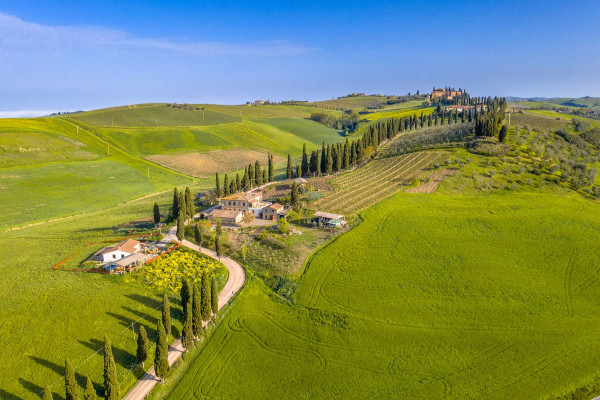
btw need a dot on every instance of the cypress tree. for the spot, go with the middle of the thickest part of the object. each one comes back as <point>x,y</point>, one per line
<point>198,236</point>
<point>218,247</point>
<point>156,213</point>
<point>175,208</point>
<point>264,177</point>
<point>187,334</point>
<point>237,182</point>
<point>304,161</point>
<point>503,133</point>
<point>233,187</point>
<point>161,362</point>
<point>111,381</point>
<point>246,182</point>
<point>185,293</point>
<point>338,158</point>
<point>329,167</point>
<point>181,204</point>
<point>288,174</point>
<point>323,158</point>
<point>297,171</point>
<point>226,185</point>
<point>218,185</point>
<point>251,176</point>
<point>166,314</point>
<point>257,173</point>
<point>180,227</point>
<point>90,392</point>
<point>294,196</point>
<point>70,382</point>
<point>189,202</point>
<point>214,296</point>
<point>142,345</point>
<point>271,169</point>
<point>47,393</point>
<point>196,311</point>
<point>218,227</point>
<point>205,298</point>
<point>346,156</point>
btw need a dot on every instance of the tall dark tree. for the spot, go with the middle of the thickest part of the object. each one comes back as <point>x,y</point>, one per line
<point>185,293</point>
<point>175,208</point>
<point>264,176</point>
<point>156,213</point>
<point>271,168</point>
<point>257,173</point>
<point>346,156</point>
<point>289,168</point>
<point>198,236</point>
<point>246,181</point>
<point>323,160</point>
<point>182,206</point>
<point>218,227</point>
<point>111,381</point>
<point>89,392</point>
<point>304,165</point>
<point>180,227</point>
<point>196,311</point>
<point>71,387</point>
<point>47,393</point>
<point>294,197</point>
<point>251,177</point>
<point>189,203</point>
<point>166,314</point>
<point>503,133</point>
<point>226,185</point>
<point>142,345</point>
<point>218,247</point>
<point>217,185</point>
<point>238,184</point>
<point>297,170</point>
<point>187,333</point>
<point>205,296</point>
<point>161,361</point>
<point>329,166</point>
<point>214,296</point>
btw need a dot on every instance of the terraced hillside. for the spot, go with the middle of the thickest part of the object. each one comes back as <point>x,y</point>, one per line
<point>358,189</point>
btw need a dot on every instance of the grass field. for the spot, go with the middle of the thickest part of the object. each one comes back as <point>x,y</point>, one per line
<point>564,117</point>
<point>153,115</point>
<point>358,189</point>
<point>355,103</point>
<point>265,111</point>
<point>308,130</point>
<point>52,315</point>
<point>430,296</point>
<point>398,113</point>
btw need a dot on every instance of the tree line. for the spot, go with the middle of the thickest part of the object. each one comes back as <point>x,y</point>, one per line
<point>198,305</point>
<point>254,176</point>
<point>348,121</point>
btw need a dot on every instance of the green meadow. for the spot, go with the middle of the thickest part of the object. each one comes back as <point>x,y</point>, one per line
<point>429,296</point>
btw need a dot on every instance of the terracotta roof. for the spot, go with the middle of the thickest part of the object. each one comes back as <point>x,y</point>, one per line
<point>242,196</point>
<point>218,213</point>
<point>275,206</point>
<point>126,246</point>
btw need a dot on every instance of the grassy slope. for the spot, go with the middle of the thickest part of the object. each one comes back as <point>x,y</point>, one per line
<point>49,315</point>
<point>564,117</point>
<point>398,113</point>
<point>269,111</point>
<point>351,102</point>
<point>308,130</point>
<point>431,296</point>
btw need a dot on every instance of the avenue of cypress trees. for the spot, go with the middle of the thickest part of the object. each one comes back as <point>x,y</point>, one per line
<point>111,381</point>
<point>196,311</point>
<point>185,294</point>
<point>142,345</point>
<point>70,382</point>
<point>214,296</point>
<point>205,298</point>
<point>161,361</point>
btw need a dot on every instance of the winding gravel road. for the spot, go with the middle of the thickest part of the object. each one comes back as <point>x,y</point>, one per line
<point>234,284</point>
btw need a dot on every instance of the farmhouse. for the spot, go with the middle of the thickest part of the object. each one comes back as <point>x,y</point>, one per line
<point>449,94</point>
<point>227,217</point>
<point>120,250</point>
<point>127,263</point>
<point>329,219</point>
<point>241,201</point>
<point>459,108</point>
<point>273,211</point>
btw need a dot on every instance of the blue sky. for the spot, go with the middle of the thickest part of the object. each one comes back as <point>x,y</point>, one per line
<point>67,55</point>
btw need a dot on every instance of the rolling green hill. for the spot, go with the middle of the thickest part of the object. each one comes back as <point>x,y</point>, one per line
<point>306,129</point>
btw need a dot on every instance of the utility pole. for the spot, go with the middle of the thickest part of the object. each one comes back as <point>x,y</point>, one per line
<point>148,173</point>
<point>108,149</point>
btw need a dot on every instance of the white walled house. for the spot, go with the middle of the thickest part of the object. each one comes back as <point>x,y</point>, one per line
<point>120,250</point>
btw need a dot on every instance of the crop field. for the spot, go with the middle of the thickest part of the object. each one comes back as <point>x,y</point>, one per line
<point>48,315</point>
<point>153,115</point>
<point>356,103</point>
<point>265,111</point>
<point>430,296</point>
<point>306,129</point>
<point>403,106</point>
<point>398,113</point>
<point>363,187</point>
<point>565,117</point>
<point>206,164</point>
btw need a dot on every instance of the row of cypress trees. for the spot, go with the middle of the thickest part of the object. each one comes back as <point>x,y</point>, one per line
<point>254,175</point>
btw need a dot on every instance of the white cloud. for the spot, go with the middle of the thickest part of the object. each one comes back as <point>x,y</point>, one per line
<point>19,35</point>
<point>24,113</point>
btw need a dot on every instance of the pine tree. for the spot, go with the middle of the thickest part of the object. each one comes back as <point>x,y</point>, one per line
<point>185,293</point>
<point>175,209</point>
<point>180,227</point>
<point>111,381</point>
<point>156,213</point>
<point>196,311</point>
<point>218,185</point>
<point>304,161</point>
<point>289,168</point>
<point>142,345</point>
<point>161,363</point>
<point>214,296</point>
<point>187,334</point>
<point>205,298</point>
<point>218,247</point>
<point>198,236</point>
<point>294,197</point>
<point>226,185</point>
<point>166,314</point>
<point>189,202</point>
<point>47,393</point>
<point>90,392</point>
<point>271,169</point>
<point>70,382</point>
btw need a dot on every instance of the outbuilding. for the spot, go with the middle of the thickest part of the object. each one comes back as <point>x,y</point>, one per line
<point>329,219</point>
